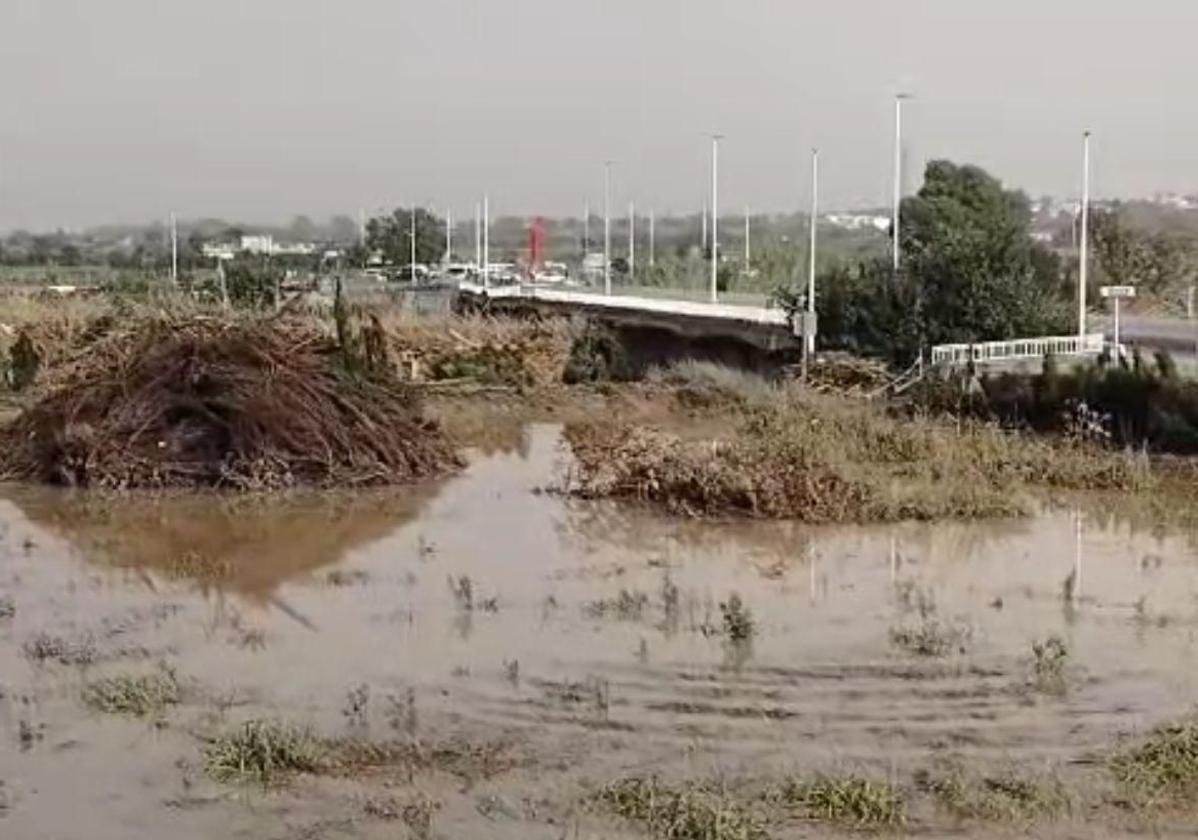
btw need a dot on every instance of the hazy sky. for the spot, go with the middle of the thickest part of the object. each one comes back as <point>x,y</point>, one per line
<point>259,109</point>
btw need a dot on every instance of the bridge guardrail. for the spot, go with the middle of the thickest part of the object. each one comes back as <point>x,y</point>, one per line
<point>1021,348</point>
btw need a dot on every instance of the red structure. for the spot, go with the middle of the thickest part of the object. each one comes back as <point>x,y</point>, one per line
<point>536,245</point>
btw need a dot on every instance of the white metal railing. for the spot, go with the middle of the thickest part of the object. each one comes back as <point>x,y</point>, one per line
<point>1021,348</point>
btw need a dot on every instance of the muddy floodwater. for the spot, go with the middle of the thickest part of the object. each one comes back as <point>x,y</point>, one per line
<point>577,643</point>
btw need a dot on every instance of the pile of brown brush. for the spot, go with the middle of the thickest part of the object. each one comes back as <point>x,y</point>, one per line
<point>202,402</point>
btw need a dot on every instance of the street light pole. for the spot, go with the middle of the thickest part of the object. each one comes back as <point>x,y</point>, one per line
<point>174,251</point>
<point>478,236</point>
<point>715,215</point>
<point>1085,238</point>
<point>412,253</point>
<point>748,236</point>
<point>486,242</point>
<point>652,242</point>
<point>607,164</point>
<point>898,175</point>
<point>810,339</point>
<point>631,242</point>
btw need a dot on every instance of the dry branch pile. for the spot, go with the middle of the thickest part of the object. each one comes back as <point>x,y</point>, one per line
<point>246,404</point>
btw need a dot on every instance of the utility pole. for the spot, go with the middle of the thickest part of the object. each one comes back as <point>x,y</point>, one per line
<point>586,228</point>
<point>1084,256</point>
<point>478,236</point>
<point>631,242</point>
<point>174,251</point>
<point>486,242</point>
<point>607,165</point>
<point>652,243</point>
<point>703,236</point>
<point>898,174</point>
<point>809,340</point>
<point>748,237</point>
<point>412,252</point>
<point>448,236</point>
<point>715,216</point>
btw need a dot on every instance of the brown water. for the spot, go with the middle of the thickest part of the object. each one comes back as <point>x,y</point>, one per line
<point>280,609</point>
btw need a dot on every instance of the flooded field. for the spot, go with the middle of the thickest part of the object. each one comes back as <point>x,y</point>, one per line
<point>509,652</point>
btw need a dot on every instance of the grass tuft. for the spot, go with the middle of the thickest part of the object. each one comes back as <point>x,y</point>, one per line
<point>1050,658</point>
<point>129,694</point>
<point>263,751</point>
<point>1007,797</point>
<point>931,638</point>
<point>1162,769</point>
<point>686,812</point>
<point>848,801</point>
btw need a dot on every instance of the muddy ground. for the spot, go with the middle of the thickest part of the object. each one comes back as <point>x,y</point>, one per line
<point>499,653</point>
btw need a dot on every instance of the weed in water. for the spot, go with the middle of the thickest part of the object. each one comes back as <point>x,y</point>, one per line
<point>669,602</point>
<point>43,647</point>
<point>263,751</point>
<point>401,712</point>
<point>511,669</point>
<point>685,812</point>
<point>1049,661</point>
<point>463,592</point>
<point>137,695</point>
<point>1007,797</point>
<point>738,620</point>
<point>931,637</point>
<point>849,801</point>
<point>357,704</point>
<point>416,812</point>
<point>1161,771</point>
<point>346,577</point>
<point>627,606</point>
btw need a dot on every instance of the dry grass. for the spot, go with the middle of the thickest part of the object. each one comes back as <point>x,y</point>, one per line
<point>130,694</point>
<point>1004,797</point>
<point>1161,770</point>
<point>492,351</point>
<point>264,751</point>
<point>853,802</point>
<point>833,460</point>
<point>683,812</point>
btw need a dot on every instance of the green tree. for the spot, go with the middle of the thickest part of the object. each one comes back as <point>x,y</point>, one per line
<point>1126,255</point>
<point>976,272</point>
<point>392,236</point>
<point>970,272</point>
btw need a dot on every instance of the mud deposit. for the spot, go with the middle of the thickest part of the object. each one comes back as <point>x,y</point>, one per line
<point>482,657</point>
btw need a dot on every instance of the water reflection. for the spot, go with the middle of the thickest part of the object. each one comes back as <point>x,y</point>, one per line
<point>249,546</point>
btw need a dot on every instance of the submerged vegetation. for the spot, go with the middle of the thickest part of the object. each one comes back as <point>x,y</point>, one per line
<point>1161,770</point>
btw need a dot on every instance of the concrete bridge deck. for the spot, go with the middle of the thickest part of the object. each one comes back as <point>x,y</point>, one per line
<point>764,327</point>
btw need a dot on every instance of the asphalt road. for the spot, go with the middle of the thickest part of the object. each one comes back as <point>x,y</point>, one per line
<point>1176,335</point>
